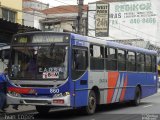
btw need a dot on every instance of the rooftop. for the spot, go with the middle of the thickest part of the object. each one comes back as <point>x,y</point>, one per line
<point>31,9</point>
<point>64,9</point>
<point>34,1</point>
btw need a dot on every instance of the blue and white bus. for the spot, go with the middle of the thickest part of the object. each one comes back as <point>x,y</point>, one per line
<point>70,71</point>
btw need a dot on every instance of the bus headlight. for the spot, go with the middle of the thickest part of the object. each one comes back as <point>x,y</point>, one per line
<point>62,94</point>
<point>14,94</point>
<point>66,93</point>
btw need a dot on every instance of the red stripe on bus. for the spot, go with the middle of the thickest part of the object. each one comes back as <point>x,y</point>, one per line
<point>112,81</point>
<point>19,90</point>
<point>124,89</point>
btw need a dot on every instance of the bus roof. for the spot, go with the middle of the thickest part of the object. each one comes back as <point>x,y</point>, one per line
<point>95,40</point>
<point>41,32</point>
<point>130,48</point>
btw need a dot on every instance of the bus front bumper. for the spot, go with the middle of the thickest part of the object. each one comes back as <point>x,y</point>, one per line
<point>57,101</point>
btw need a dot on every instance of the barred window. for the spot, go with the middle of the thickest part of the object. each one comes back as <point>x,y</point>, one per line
<point>96,57</point>
<point>154,64</point>
<point>140,62</point>
<point>8,15</point>
<point>148,63</point>
<point>131,61</point>
<point>121,60</point>
<point>111,58</point>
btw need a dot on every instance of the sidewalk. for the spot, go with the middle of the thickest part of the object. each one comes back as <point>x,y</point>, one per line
<point>21,109</point>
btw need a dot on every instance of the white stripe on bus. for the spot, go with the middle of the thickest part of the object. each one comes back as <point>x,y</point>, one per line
<point>120,89</point>
<point>116,89</point>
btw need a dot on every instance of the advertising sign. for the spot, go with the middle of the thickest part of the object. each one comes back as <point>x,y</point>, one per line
<point>133,20</point>
<point>102,20</point>
<point>127,20</point>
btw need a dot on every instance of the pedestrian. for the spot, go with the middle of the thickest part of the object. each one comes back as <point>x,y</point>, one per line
<point>3,90</point>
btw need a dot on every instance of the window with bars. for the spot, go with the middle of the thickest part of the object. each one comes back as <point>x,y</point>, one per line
<point>131,61</point>
<point>121,60</point>
<point>140,62</point>
<point>9,15</point>
<point>111,58</point>
<point>96,57</point>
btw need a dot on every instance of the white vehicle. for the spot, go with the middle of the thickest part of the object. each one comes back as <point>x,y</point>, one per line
<point>4,57</point>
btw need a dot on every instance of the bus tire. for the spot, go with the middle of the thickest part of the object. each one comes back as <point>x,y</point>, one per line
<point>42,109</point>
<point>92,103</point>
<point>137,97</point>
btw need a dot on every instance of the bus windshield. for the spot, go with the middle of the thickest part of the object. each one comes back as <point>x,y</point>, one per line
<point>39,62</point>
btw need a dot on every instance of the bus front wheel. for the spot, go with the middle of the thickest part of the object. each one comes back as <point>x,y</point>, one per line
<point>91,107</point>
<point>42,109</point>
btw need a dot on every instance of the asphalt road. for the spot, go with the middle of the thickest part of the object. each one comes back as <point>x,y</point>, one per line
<point>149,109</point>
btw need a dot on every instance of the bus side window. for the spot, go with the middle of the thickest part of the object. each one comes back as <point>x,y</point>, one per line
<point>154,64</point>
<point>97,57</point>
<point>79,62</point>
<point>131,61</point>
<point>148,63</point>
<point>121,60</point>
<point>111,61</point>
<point>140,62</point>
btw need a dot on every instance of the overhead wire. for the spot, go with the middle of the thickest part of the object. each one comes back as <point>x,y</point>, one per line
<point>38,15</point>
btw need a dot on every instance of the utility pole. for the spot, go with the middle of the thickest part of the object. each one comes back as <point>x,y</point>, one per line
<point>79,18</point>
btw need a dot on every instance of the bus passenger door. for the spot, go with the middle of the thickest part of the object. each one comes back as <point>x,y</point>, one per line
<point>80,75</point>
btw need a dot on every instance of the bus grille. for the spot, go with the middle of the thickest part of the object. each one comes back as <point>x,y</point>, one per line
<point>42,86</point>
<point>37,101</point>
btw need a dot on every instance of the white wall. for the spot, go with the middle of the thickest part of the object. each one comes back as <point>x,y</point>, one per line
<point>35,5</point>
<point>28,19</point>
<point>32,19</point>
<point>37,19</point>
<point>156,9</point>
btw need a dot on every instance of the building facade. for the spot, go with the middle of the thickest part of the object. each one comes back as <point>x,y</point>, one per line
<point>11,21</point>
<point>35,4</point>
<point>32,17</point>
<point>64,19</point>
<point>32,13</point>
<point>11,10</point>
